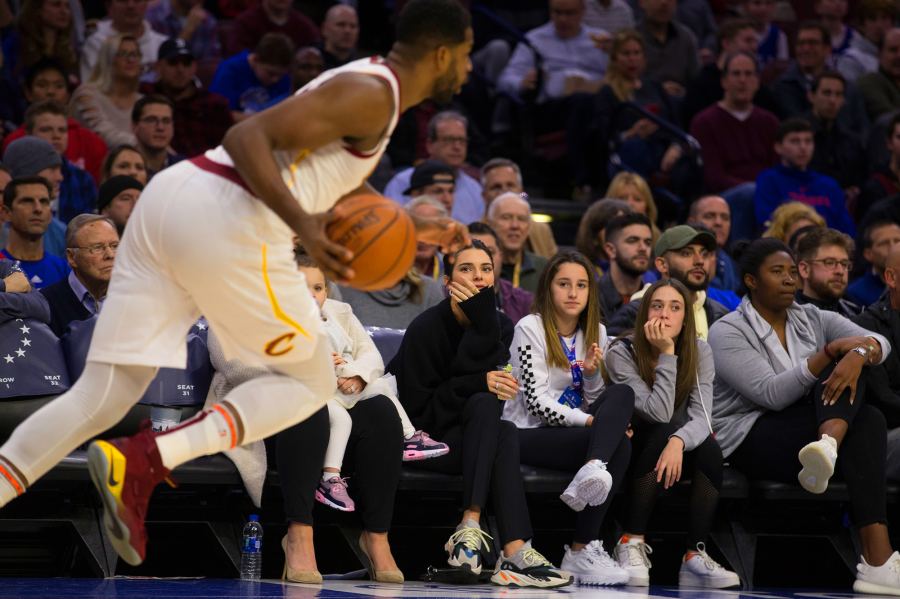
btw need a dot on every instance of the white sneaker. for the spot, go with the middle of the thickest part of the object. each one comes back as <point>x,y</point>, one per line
<point>705,572</point>
<point>633,558</point>
<point>590,486</point>
<point>593,566</point>
<point>878,580</point>
<point>464,547</point>
<point>818,460</point>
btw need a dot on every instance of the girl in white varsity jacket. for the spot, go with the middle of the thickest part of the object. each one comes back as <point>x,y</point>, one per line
<point>671,372</point>
<point>567,418</point>
<point>360,375</point>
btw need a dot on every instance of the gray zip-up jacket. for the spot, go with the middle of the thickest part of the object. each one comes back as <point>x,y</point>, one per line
<point>657,404</point>
<point>749,382</point>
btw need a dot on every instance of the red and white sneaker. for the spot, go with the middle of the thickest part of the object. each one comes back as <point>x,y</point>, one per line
<point>125,472</point>
<point>422,447</point>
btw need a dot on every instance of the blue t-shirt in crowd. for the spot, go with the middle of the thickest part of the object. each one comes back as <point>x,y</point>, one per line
<point>781,184</point>
<point>236,81</point>
<point>866,290</point>
<point>43,272</point>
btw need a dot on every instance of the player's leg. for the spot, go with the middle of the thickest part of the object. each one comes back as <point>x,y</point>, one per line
<point>97,401</point>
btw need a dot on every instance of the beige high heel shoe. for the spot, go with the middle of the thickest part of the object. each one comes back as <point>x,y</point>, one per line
<point>387,576</point>
<point>291,575</point>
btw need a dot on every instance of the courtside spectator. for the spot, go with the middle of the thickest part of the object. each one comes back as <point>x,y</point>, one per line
<point>683,254</point>
<point>91,242</point>
<point>670,47</point>
<point>125,160</point>
<point>880,89</point>
<point>447,142</point>
<point>125,18</point>
<point>104,102</point>
<point>735,35</point>
<point>271,16</point>
<point>501,175</point>
<point>773,42</point>
<point>824,260</point>
<point>428,260</point>
<point>397,306</point>
<point>879,238</point>
<point>510,216</point>
<point>792,180</point>
<point>340,34</point>
<point>568,419</point>
<point>77,191</point>
<point>17,299</point>
<point>629,242</point>
<point>713,213</point>
<point>33,157</point>
<point>201,117</point>
<point>875,18</point>
<point>790,218</point>
<point>153,119</point>
<point>187,21</point>
<point>46,81</point>
<point>813,54</point>
<point>12,279</point>
<point>608,15</point>
<point>670,372</point>
<point>883,317</point>
<point>308,64</point>
<point>252,81</point>
<point>737,141</point>
<point>786,378</point>
<point>450,383</point>
<point>590,239</point>
<point>839,153</point>
<point>43,31</point>
<point>26,205</point>
<point>885,178</point>
<point>117,198</point>
<point>436,180</point>
<point>512,301</point>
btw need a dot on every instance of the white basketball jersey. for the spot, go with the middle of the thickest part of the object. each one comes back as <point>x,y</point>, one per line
<point>320,178</point>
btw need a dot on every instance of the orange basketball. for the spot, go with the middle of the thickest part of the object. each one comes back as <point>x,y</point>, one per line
<point>381,236</point>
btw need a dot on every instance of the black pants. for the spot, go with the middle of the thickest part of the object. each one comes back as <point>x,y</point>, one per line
<point>373,459</point>
<point>569,448</point>
<point>703,465</point>
<point>770,450</point>
<point>485,450</point>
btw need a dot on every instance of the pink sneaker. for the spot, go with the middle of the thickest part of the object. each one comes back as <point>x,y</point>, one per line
<point>334,494</point>
<point>422,447</point>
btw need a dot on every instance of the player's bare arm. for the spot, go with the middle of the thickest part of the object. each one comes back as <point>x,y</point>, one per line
<point>353,108</point>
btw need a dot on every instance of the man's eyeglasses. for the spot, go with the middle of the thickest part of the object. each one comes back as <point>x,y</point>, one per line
<point>98,248</point>
<point>156,121</point>
<point>833,263</point>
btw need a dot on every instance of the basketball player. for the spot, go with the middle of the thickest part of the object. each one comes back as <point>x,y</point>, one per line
<point>213,236</point>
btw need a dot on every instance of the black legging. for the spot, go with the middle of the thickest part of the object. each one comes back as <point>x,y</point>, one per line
<point>703,465</point>
<point>485,450</point>
<point>770,450</point>
<point>569,448</point>
<point>373,458</point>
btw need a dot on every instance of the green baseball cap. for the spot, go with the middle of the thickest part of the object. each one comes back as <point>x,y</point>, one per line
<point>679,236</point>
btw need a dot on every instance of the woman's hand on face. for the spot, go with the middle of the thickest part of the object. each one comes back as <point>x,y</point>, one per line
<point>844,376</point>
<point>351,385</point>
<point>460,292</point>
<point>502,384</point>
<point>657,337</point>
<point>592,360</point>
<point>668,466</point>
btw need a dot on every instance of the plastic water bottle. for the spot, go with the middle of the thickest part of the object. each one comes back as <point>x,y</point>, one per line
<point>251,549</point>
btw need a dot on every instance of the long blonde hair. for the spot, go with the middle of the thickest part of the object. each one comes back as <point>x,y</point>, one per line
<point>102,75</point>
<point>588,320</point>
<point>625,179</point>
<point>786,215</point>
<point>622,88</point>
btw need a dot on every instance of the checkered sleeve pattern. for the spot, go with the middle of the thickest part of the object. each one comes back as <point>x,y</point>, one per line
<point>532,402</point>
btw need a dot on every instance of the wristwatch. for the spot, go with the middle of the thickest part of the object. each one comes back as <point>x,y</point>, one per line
<point>863,351</point>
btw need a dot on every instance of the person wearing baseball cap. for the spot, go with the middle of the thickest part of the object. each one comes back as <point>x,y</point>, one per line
<point>436,179</point>
<point>117,199</point>
<point>201,117</point>
<point>685,254</point>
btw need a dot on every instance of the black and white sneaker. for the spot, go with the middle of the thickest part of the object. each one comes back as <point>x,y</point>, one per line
<point>464,547</point>
<point>528,568</point>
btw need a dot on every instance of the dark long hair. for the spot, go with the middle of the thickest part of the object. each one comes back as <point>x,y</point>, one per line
<point>31,37</point>
<point>685,343</point>
<point>588,320</point>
